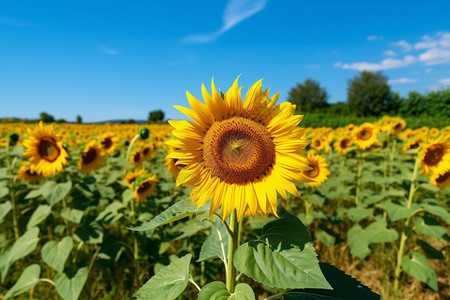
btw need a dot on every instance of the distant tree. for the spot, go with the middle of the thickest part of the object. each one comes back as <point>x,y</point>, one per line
<point>308,96</point>
<point>79,119</point>
<point>46,118</point>
<point>61,121</point>
<point>369,94</point>
<point>156,116</point>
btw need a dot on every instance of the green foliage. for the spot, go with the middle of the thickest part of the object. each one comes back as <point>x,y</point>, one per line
<point>46,118</point>
<point>79,120</point>
<point>217,290</point>
<point>308,96</point>
<point>418,267</point>
<point>69,284</point>
<point>156,116</point>
<point>283,257</point>
<point>169,282</point>
<point>28,279</point>
<point>56,253</point>
<point>369,94</point>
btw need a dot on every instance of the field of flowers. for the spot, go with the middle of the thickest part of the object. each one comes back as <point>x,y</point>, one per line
<point>199,209</point>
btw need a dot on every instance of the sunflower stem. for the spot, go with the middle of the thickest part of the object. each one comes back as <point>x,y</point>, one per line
<point>12,195</point>
<point>234,237</point>
<point>404,235</point>
<point>131,145</point>
<point>358,182</point>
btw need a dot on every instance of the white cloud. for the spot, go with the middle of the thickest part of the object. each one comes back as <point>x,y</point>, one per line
<point>374,37</point>
<point>444,81</point>
<point>435,56</point>
<point>236,11</point>
<point>426,43</point>
<point>390,53</point>
<point>403,44</point>
<point>428,70</point>
<point>312,66</point>
<point>107,50</point>
<point>403,80</point>
<point>337,64</point>
<point>385,64</point>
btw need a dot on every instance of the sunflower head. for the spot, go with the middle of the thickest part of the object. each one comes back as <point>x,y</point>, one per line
<point>26,174</point>
<point>136,158</point>
<point>319,172</point>
<point>131,176</point>
<point>442,181</point>
<point>144,186</point>
<point>434,157</point>
<point>45,150</point>
<point>342,144</point>
<point>365,136</point>
<point>92,157</point>
<point>109,142</point>
<point>239,153</point>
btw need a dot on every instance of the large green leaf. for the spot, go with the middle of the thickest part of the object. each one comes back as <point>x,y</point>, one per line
<point>4,210</point>
<point>111,214</point>
<point>217,290</point>
<point>70,283</point>
<point>89,233</point>
<point>429,250</point>
<point>283,257</point>
<point>429,226</point>
<point>359,213</point>
<point>39,215</point>
<point>52,192</point>
<point>169,282</point>
<point>344,287</point>
<point>23,246</point>
<point>216,245</point>
<point>55,253</point>
<point>179,210</point>
<point>28,279</point>
<point>435,208</point>
<point>418,267</point>
<point>188,228</point>
<point>396,210</point>
<point>358,247</point>
<point>72,214</point>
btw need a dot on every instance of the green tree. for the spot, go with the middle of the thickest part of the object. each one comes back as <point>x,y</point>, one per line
<point>46,118</point>
<point>369,94</point>
<point>308,96</point>
<point>79,119</point>
<point>156,116</point>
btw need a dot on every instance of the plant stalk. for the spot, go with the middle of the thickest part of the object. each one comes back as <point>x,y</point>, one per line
<point>404,235</point>
<point>131,145</point>
<point>358,179</point>
<point>13,196</point>
<point>234,237</point>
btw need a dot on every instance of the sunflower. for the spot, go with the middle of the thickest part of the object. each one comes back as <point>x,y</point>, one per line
<point>397,125</point>
<point>239,154</point>
<point>131,176</point>
<point>434,158</point>
<point>441,181</point>
<point>365,135</point>
<point>45,150</point>
<point>172,164</point>
<point>26,174</point>
<point>92,157</point>
<point>149,150</point>
<point>109,142</point>
<point>318,143</point>
<point>413,143</point>
<point>342,144</point>
<point>144,187</point>
<point>319,172</point>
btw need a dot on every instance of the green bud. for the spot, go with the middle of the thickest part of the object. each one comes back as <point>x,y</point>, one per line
<point>13,138</point>
<point>143,133</point>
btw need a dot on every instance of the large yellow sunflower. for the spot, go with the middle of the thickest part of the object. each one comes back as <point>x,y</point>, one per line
<point>92,157</point>
<point>45,150</point>
<point>434,158</point>
<point>109,142</point>
<point>319,172</point>
<point>342,144</point>
<point>145,187</point>
<point>365,135</point>
<point>131,176</point>
<point>239,154</point>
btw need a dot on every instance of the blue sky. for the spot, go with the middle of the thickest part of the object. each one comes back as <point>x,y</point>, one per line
<point>121,59</point>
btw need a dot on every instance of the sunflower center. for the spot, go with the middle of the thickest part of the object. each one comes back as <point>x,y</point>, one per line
<point>344,143</point>
<point>314,172</point>
<point>28,172</point>
<point>89,156</point>
<point>106,143</point>
<point>143,187</point>
<point>137,157</point>
<point>48,149</point>
<point>365,134</point>
<point>443,177</point>
<point>238,150</point>
<point>434,155</point>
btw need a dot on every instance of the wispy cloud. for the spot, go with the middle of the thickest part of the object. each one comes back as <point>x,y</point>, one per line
<point>403,80</point>
<point>236,11</point>
<point>385,64</point>
<point>14,22</point>
<point>390,53</point>
<point>444,81</point>
<point>438,49</point>
<point>404,45</point>
<point>374,37</point>
<point>107,50</point>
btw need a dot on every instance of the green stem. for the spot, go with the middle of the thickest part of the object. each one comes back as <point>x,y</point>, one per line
<point>135,242</point>
<point>13,195</point>
<point>358,179</point>
<point>231,276</point>
<point>131,145</point>
<point>404,235</point>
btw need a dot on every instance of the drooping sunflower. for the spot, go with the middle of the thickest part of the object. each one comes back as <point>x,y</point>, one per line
<point>319,172</point>
<point>144,187</point>
<point>237,154</point>
<point>131,176</point>
<point>434,157</point>
<point>441,181</point>
<point>92,157</point>
<point>365,136</point>
<point>109,142</point>
<point>26,174</point>
<point>342,144</point>
<point>45,150</point>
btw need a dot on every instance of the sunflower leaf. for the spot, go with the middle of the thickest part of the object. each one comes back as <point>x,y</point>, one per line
<point>216,245</point>
<point>4,210</point>
<point>283,257</point>
<point>56,253</point>
<point>70,283</point>
<point>217,290</point>
<point>28,279</point>
<point>179,210</point>
<point>418,267</point>
<point>39,215</point>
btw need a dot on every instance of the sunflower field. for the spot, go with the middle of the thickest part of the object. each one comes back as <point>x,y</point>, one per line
<point>240,202</point>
